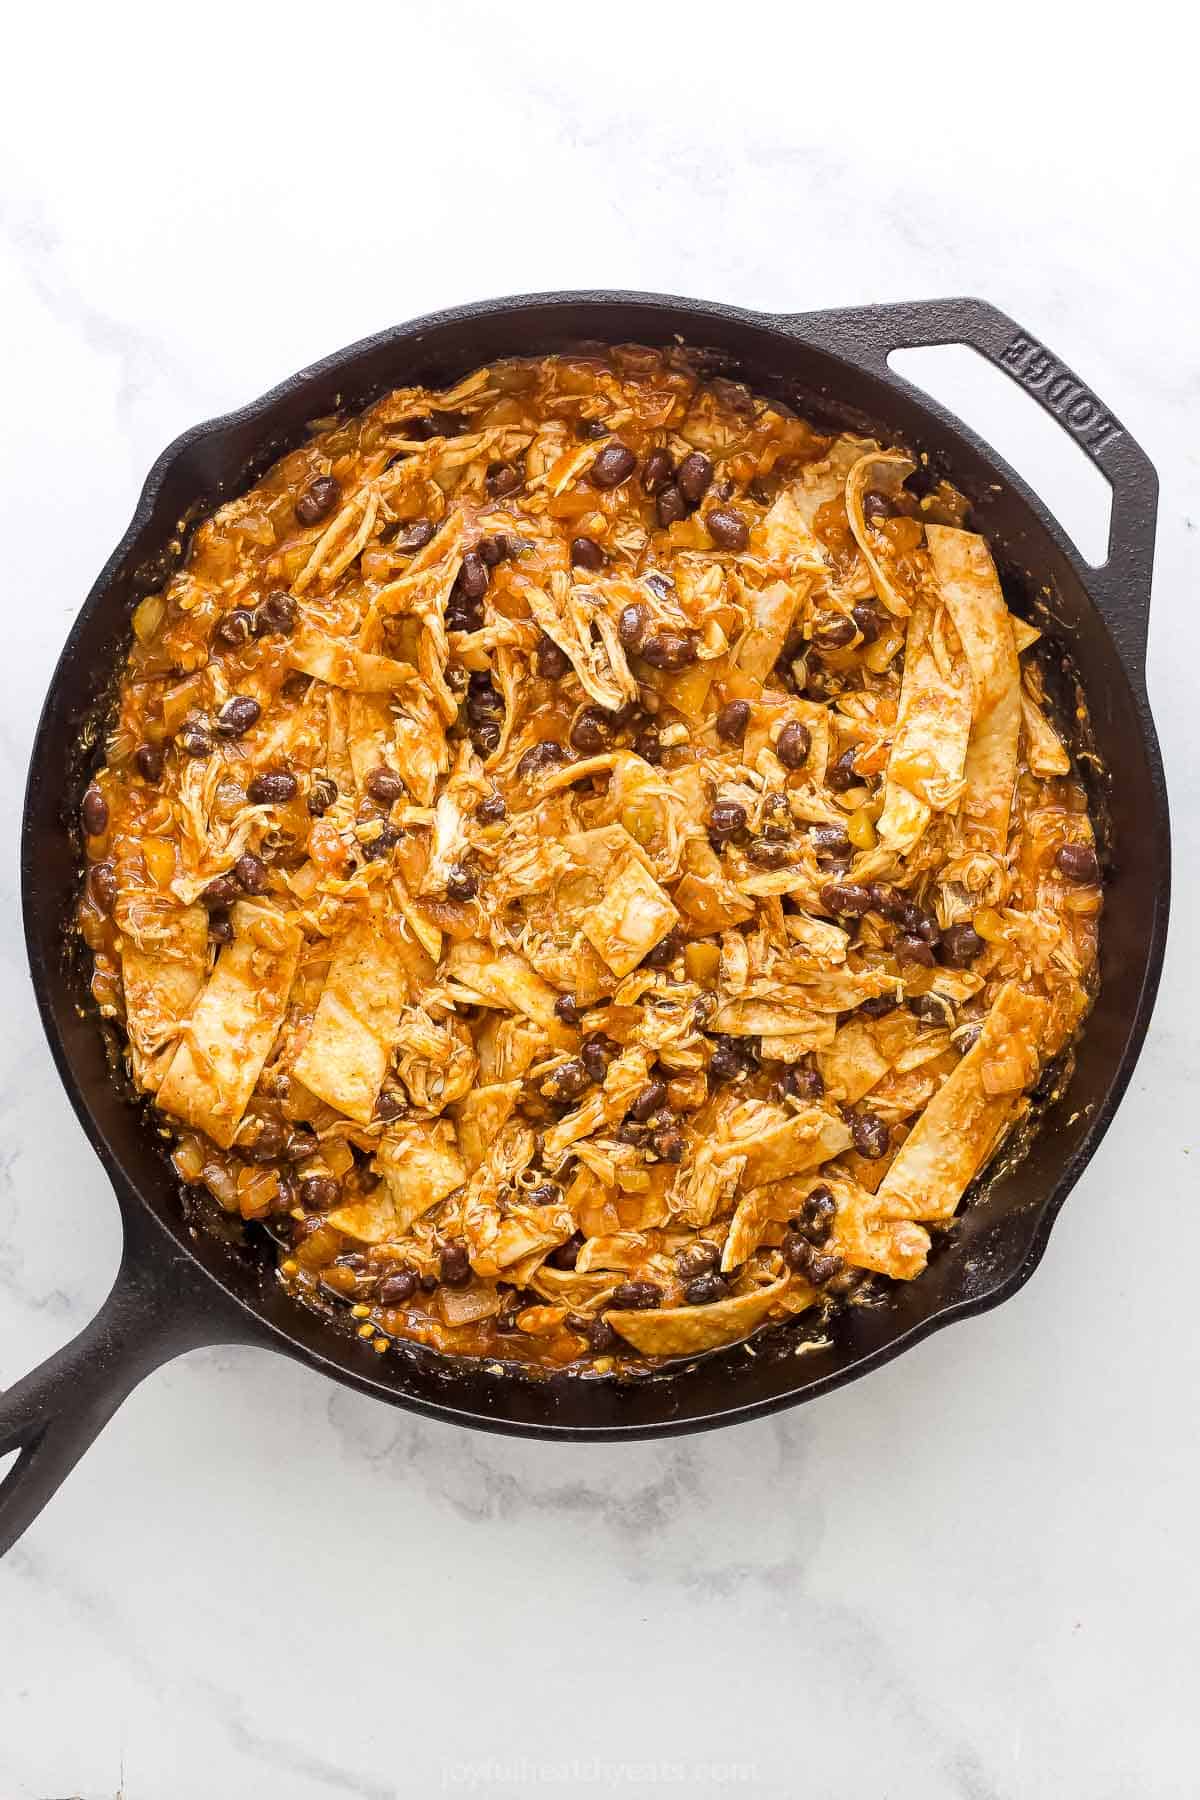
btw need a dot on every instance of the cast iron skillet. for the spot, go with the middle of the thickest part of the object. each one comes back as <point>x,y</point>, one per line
<point>178,1287</point>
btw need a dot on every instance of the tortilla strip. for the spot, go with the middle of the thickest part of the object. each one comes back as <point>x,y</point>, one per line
<point>354,1028</point>
<point>234,1023</point>
<point>959,1127</point>
<point>420,1163</point>
<point>343,665</point>
<point>933,729</point>
<point>771,611</point>
<point>685,1330</point>
<point>853,1063</point>
<point>785,1146</point>
<point>503,980</point>
<point>886,471</point>
<point>1044,751</point>
<point>160,983</point>
<point>970,588</point>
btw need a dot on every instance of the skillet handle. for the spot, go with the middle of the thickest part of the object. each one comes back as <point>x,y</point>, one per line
<point>1121,585</point>
<point>158,1307</point>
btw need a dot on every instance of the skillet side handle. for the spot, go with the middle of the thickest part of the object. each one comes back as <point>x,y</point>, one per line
<point>1122,584</point>
<point>158,1307</point>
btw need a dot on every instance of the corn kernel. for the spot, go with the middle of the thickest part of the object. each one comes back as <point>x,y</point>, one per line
<point>360,1311</point>
<point>366,1330</point>
<point>860,829</point>
<point>989,925</point>
<point>289,1267</point>
<point>702,961</point>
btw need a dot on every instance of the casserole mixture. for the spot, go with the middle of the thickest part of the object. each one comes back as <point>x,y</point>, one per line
<point>581,857</point>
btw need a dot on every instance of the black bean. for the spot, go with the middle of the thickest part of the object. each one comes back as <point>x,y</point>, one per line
<point>591,732</point>
<point>601,1337</point>
<point>842,775</point>
<point>275,787</point>
<point>586,553</point>
<point>319,1193</point>
<point>961,944</point>
<point>318,500</point>
<point>868,619</point>
<point>913,949</point>
<point>148,759</point>
<point>238,715</point>
<point>870,1134</point>
<point>95,813</point>
<point>588,429</point>
<point>551,662</point>
<point>455,1264</point>
<point>389,1105</point>
<point>639,1295</point>
<point>648,1101</point>
<point>879,1006</point>
<point>568,1081</point>
<point>726,819</point>
<point>503,478</point>
<point>566,1009</point>
<point>768,853</point>
<point>414,536</point>
<point>596,1053</point>
<point>670,650</point>
<point>822,1269</point>
<point>102,879</point>
<point>462,614</point>
<point>383,784</point>
<point>705,1290</point>
<point>322,793</point>
<point>615,464</point>
<point>663,954</point>
<point>633,625</point>
<point>849,899</point>
<point>220,928</point>
<point>733,720</point>
<point>222,892</point>
<point>804,1083</point>
<point>567,1255</point>
<point>888,900</point>
<point>235,629</point>
<point>876,505</point>
<point>251,873</point>
<point>491,809</point>
<point>395,1290</point>
<point>629,1133</point>
<point>930,1007</point>
<point>482,697</point>
<point>693,477</point>
<point>829,842</point>
<point>670,507</point>
<point>727,529</point>
<point>700,1258</point>
<point>194,740</point>
<point>669,1144</point>
<point>648,745</point>
<point>793,745</point>
<point>968,1039</point>
<point>266,1143</point>
<point>486,737</point>
<point>449,424</point>
<point>1079,863</point>
<point>726,1060</point>
<point>544,755</point>
<point>834,631</point>
<point>796,1251</point>
<point>817,1215</point>
<point>276,616</point>
<point>461,883</point>
<point>658,471</point>
<point>473,577</point>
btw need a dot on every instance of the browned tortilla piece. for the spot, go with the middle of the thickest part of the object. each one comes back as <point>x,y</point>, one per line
<point>355,1025</point>
<point>160,983</point>
<point>233,1024</point>
<point>970,588</point>
<point>801,1142</point>
<point>420,1164</point>
<point>343,665</point>
<point>685,1330</point>
<point>925,768</point>
<point>963,1121</point>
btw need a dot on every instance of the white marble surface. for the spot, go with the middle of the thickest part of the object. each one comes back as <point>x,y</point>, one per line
<point>971,1576</point>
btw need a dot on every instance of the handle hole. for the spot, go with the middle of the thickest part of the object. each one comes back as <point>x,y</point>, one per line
<point>1049,459</point>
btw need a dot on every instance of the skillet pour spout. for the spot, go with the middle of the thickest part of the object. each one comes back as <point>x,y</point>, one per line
<point>180,1286</point>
